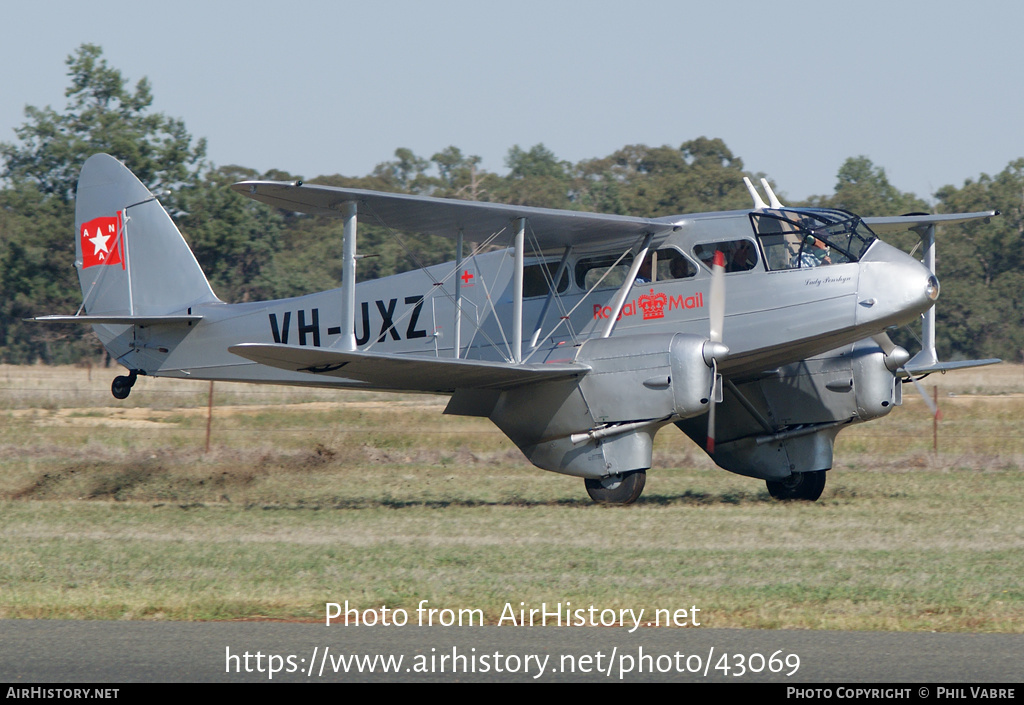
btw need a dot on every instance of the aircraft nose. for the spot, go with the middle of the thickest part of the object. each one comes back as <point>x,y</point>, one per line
<point>895,288</point>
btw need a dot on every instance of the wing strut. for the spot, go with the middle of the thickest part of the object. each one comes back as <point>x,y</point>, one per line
<point>348,277</point>
<point>517,293</point>
<point>126,262</point>
<point>457,337</point>
<point>627,285</point>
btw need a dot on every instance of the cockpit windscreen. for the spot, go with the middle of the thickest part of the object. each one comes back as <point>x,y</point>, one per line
<point>810,237</point>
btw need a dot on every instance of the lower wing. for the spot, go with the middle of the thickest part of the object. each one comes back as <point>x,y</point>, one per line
<point>406,372</point>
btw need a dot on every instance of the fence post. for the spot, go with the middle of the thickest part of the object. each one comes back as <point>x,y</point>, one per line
<point>209,416</point>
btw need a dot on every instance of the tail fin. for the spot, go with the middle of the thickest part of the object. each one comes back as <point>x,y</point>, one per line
<point>131,259</point>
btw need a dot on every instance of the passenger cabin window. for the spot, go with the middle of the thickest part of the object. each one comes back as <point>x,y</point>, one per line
<point>799,238</point>
<point>609,270</point>
<point>666,264</point>
<point>537,279</point>
<point>740,255</point>
<point>661,265</point>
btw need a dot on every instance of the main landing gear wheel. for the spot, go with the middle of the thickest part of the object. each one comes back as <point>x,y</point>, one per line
<point>617,489</point>
<point>800,485</point>
<point>122,385</point>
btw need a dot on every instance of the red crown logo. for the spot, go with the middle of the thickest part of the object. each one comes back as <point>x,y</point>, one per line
<point>653,305</point>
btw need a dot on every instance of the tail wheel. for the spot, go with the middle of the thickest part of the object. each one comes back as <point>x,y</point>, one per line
<point>806,486</point>
<point>122,385</point>
<point>617,489</point>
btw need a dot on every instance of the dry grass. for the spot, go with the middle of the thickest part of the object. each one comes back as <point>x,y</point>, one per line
<point>112,510</point>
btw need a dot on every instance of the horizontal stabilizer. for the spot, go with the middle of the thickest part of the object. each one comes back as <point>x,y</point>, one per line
<point>898,223</point>
<point>119,320</point>
<point>405,372</point>
<point>948,366</point>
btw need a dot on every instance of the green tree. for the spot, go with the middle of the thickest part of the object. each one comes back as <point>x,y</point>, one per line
<point>37,275</point>
<point>981,267</point>
<point>460,176</point>
<point>701,175</point>
<point>864,189</point>
<point>39,174</point>
<point>714,178</point>
<point>102,115</point>
<point>407,173</point>
<point>234,238</point>
<point>536,178</point>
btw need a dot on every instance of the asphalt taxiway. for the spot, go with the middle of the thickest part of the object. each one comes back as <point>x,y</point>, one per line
<point>51,651</point>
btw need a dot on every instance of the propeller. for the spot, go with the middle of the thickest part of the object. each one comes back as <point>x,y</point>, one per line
<point>715,348</point>
<point>896,359</point>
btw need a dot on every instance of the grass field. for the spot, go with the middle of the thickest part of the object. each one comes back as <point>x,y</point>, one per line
<point>113,510</point>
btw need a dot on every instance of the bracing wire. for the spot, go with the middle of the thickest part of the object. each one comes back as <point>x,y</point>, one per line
<point>439,284</point>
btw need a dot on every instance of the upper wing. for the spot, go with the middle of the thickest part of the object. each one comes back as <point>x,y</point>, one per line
<point>444,216</point>
<point>405,372</point>
<point>899,223</point>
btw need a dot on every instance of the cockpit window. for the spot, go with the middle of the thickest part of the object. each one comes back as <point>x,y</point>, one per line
<point>740,255</point>
<point>795,238</point>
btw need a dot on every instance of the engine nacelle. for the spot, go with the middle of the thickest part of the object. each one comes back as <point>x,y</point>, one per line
<point>878,389</point>
<point>645,377</point>
<point>806,404</point>
<point>850,384</point>
<point>604,423</point>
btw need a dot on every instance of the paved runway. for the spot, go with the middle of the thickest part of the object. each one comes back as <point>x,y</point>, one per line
<point>41,651</point>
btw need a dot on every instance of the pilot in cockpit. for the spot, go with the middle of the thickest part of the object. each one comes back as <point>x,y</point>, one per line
<point>813,253</point>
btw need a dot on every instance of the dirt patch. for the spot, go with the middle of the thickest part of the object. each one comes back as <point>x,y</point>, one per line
<point>143,417</point>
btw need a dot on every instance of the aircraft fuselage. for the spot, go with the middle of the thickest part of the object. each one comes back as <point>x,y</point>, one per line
<point>772,317</point>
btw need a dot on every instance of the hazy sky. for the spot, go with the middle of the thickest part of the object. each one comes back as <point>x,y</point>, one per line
<point>929,90</point>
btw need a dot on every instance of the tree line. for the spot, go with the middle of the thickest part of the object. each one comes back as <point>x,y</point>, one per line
<point>250,251</point>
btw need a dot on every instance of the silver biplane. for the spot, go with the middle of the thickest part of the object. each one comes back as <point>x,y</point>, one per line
<point>760,334</point>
